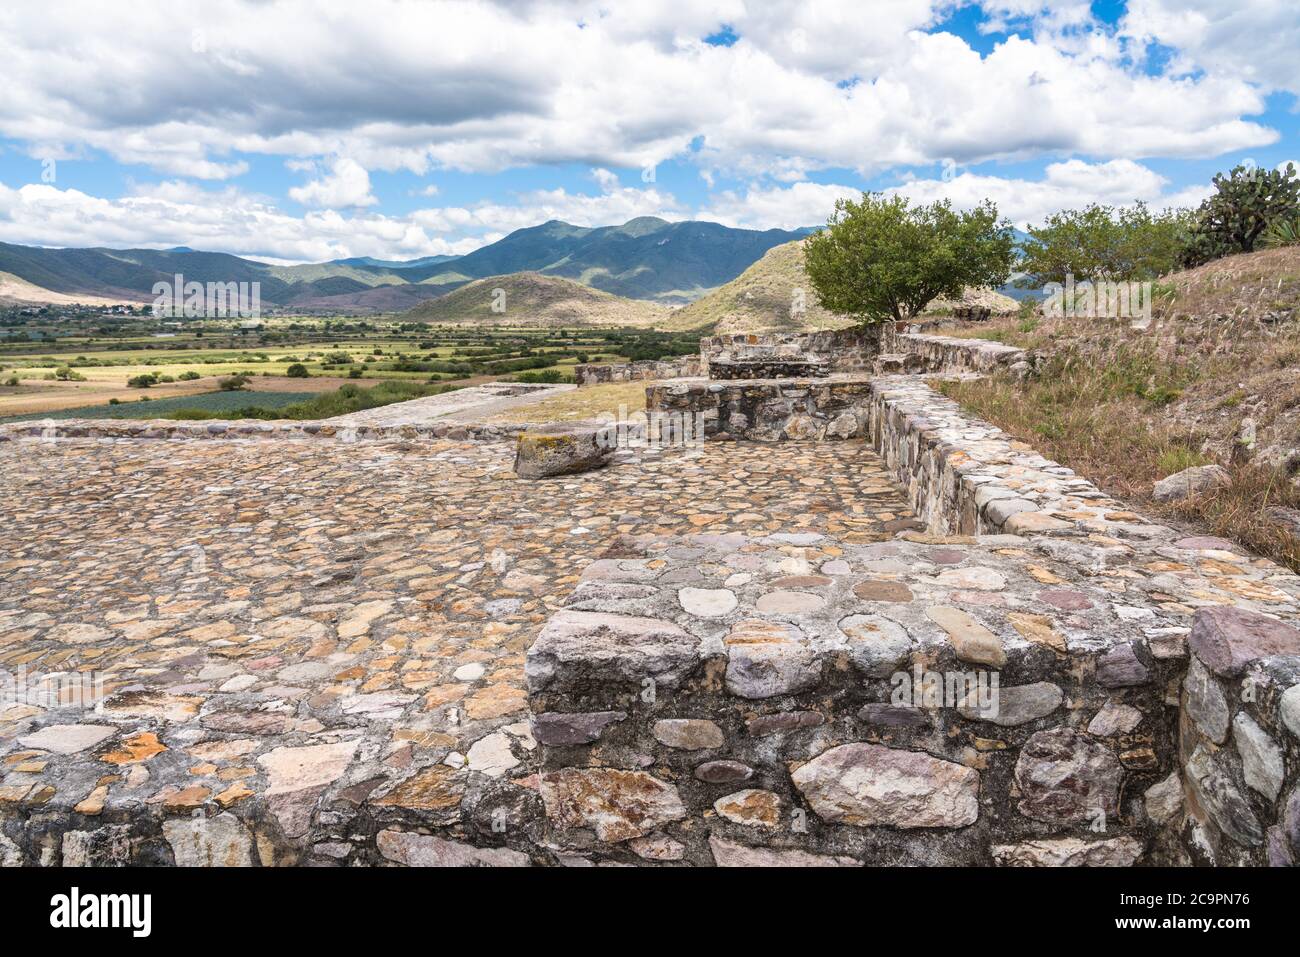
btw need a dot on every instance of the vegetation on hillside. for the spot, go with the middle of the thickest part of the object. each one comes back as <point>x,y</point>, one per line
<point>530,299</point>
<point>1102,242</point>
<point>1126,407</point>
<point>775,295</point>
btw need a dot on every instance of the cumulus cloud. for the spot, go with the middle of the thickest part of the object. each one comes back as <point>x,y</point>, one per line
<point>220,221</point>
<point>484,87</point>
<point>347,184</point>
<point>339,91</point>
<point>228,220</point>
<point>1255,40</point>
<point>1066,185</point>
<point>781,207</point>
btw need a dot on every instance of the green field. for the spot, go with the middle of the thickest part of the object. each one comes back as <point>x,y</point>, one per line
<point>216,402</point>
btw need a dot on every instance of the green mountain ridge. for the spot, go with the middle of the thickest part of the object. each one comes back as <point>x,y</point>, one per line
<point>644,258</point>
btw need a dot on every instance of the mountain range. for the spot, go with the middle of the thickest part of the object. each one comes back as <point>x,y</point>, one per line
<point>645,258</point>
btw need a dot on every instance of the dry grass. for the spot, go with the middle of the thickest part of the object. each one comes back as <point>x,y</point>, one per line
<point>589,402</point>
<point>1245,286</point>
<point>1107,414</point>
<point>1238,512</point>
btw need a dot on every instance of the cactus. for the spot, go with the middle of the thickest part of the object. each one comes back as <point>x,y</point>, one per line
<point>1246,203</point>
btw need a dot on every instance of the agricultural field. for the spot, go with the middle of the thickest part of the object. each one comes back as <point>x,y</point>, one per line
<point>91,363</point>
<point>221,403</point>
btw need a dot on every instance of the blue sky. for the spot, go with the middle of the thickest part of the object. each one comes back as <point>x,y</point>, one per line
<point>298,132</point>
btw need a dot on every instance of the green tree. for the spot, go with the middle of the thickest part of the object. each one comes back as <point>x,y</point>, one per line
<point>1102,242</point>
<point>882,258</point>
<point>297,371</point>
<point>1245,203</point>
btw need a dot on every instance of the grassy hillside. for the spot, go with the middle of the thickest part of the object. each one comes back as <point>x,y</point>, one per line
<point>532,299</point>
<point>1211,380</point>
<point>760,300</point>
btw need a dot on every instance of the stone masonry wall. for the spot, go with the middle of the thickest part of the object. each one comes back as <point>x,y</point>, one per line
<point>674,368</point>
<point>768,410</point>
<point>731,690</point>
<point>731,700</point>
<point>948,354</point>
<point>842,350</point>
<point>1239,739</point>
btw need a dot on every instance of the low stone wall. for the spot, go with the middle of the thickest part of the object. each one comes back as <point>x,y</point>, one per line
<point>768,410</point>
<point>739,686</point>
<point>949,354</point>
<point>249,429</point>
<point>1239,739</point>
<point>841,350</point>
<point>728,700</point>
<point>675,368</point>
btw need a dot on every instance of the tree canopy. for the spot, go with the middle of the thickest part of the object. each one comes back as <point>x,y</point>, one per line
<point>882,258</point>
<point>1102,242</point>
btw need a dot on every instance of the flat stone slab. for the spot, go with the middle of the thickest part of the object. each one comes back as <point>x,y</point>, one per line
<point>1227,639</point>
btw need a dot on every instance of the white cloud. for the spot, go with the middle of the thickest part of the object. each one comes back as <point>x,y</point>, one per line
<point>782,207</point>
<point>174,214</point>
<point>1067,185</point>
<point>1254,40</point>
<point>347,184</point>
<point>616,204</point>
<point>483,87</point>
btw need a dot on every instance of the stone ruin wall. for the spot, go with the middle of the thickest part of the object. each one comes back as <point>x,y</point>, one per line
<point>1110,749</point>
<point>675,368</point>
<point>1182,728</point>
<point>855,351</point>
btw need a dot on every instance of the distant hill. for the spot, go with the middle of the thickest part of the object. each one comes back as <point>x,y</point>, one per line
<point>645,258</point>
<point>534,299</point>
<point>760,300</point>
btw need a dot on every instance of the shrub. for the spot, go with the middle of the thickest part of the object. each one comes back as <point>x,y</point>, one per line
<point>13,380</point>
<point>354,372</point>
<point>1101,242</point>
<point>188,375</point>
<point>297,371</point>
<point>232,383</point>
<point>546,375</point>
<point>143,381</point>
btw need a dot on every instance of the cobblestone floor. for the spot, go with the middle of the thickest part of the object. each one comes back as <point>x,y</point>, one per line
<point>273,621</point>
